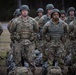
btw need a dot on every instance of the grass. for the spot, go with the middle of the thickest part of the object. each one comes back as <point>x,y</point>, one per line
<point>4,46</point>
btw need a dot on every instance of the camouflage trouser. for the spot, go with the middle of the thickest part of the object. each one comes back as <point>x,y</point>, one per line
<point>55,51</point>
<point>67,44</point>
<point>73,50</point>
<point>20,52</point>
<point>41,45</point>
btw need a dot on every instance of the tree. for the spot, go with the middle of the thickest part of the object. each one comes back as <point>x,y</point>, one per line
<point>63,5</point>
<point>19,3</point>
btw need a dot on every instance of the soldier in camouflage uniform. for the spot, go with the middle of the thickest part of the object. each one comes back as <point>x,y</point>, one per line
<point>40,12</point>
<point>1,29</point>
<point>46,18</point>
<point>63,15</point>
<point>72,51</point>
<point>9,59</point>
<point>64,18</point>
<point>25,28</point>
<point>43,20</point>
<point>71,15</point>
<point>58,31</point>
<point>16,14</point>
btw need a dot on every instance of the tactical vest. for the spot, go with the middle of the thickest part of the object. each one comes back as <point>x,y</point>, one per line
<point>68,21</point>
<point>25,29</point>
<point>46,19</point>
<point>56,31</point>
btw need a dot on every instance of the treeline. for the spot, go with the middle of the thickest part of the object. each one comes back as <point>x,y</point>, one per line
<point>7,7</point>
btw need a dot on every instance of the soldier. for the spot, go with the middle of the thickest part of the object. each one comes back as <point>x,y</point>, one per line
<point>40,12</point>
<point>25,28</point>
<point>71,55</point>
<point>63,15</point>
<point>9,60</point>
<point>1,29</point>
<point>16,14</point>
<point>43,20</point>
<point>9,27</point>
<point>71,15</point>
<point>64,18</point>
<point>46,18</point>
<point>72,34</point>
<point>58,31</point>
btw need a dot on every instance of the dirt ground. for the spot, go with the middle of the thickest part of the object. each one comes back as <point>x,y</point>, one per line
<point>4,48</point>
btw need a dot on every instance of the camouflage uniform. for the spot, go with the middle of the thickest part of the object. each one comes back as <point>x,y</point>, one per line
<point>9,27</point>
<point>64,18</point>
<point>69,20</point>
<point>71,52</point>
<point>37,18</point>
<point>57,35</point>
<point>44,19</point>
<point>25,31</point>
<point>16,14</point>
<point>72,28</point>
<point>41,22</point>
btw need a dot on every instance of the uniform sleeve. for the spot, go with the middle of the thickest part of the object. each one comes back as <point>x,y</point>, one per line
<point>71,27</point>
<point>9,26</point>
<point>36,27</point>
<point>41,21</point>
<point>66,28</point>
<point>12,26</point>
<point>45,29</point>
<point>35,18</point>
